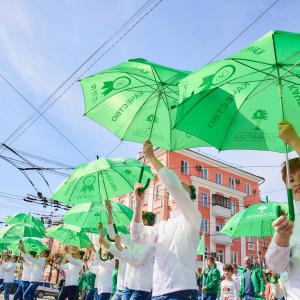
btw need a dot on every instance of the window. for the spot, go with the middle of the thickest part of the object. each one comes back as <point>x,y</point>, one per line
<point>184,167</point>
<point>146,199</point>
<point>233,207</point>
<point>204,201</point>
<point>219,226</point>
<point>252,257</point>
<point>204,174</point>
<point>247,188</point>
<point>218,178</point>
<point>158,192</point>
<point>220,255</point>
<point>234,258</point>
<point>132,202</point>
<point>204,225</point>
<point>250,239</point>
<point>232,183</point>
<point>264,243</point>
<point>157,217</point>
<point>220,200</point>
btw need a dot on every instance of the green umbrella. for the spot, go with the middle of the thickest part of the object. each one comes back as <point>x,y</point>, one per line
<point>69,235</point>
<point>87,216</point>
<point>134,100</point>
<point>21,230</point>
<point>30,245</point>
<point>100,180</point>
<point>24,218</point>
<point>256,220</point>
<point>237,102</point>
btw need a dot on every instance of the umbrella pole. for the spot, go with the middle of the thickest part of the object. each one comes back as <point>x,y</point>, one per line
<point>204,264</point>
<point>289,190</point>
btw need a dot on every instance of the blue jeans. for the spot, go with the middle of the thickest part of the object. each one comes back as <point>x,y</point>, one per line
<point>121,295</point>
<point>90,295</point>
<point>248,297</point>
<point>29,294</point>
<point>103,296</point>
<point>6,286</point>
<point>179,295</point>
<point>208,296</point>
<point>21,290</point>
<point>142,295</point>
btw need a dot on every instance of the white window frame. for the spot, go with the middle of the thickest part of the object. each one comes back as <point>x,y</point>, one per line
<point>219,178</point>
<point>204,226</point>
<point>219,226</point>
<point>158,192</point>
<point>250,239</point>
<point>204,173</point>
<point>234,257</point>
<point>220,255</point>
<point>247,188</point>
<point>184,167</point>
<point>233,207</point>
<point>232,183</point>
<point>204,199</point>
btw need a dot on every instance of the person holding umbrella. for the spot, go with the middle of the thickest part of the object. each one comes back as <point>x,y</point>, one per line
<point>36,272</point>
<point>283,252</point>
<point>73,268</point>
<point>9,266</point>
<point>176,239</point>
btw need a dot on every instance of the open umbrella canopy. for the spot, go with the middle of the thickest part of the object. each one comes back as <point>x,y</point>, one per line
<point>136,100</point>
<point>260,87</point>
<point>87,216</point>
<point>256,220</point>
<point>24,218</point>
<point>19,230</point>
<point>30,245</point>
<point>101,180</point>
<point>69,235</point>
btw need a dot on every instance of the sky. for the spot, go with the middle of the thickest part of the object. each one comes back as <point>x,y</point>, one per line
<point>46,46</point>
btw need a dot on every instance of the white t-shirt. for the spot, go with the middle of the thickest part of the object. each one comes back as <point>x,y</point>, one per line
<point>229,290</point>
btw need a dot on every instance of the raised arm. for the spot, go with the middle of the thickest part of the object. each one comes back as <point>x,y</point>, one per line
<point>289,135</point>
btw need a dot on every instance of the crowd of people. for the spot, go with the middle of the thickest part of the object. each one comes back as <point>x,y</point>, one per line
<point>157,260</point>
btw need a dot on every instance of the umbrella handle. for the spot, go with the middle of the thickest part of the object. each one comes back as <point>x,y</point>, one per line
<point>278,211</point>
<point>291,215</point>
<point>140,179</point>
<point>108,256</point>
<point>116,232</point>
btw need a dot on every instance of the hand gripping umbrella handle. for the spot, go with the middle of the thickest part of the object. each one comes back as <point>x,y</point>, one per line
<point>291,215</point>
<point>116,232</point>
<point>140,179</point>
<point>108,256</point>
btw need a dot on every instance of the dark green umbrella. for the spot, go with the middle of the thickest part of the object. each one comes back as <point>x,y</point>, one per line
<point>256,220</point>
<point>87,216</point>
<point>100,180</point>
<point>237,102</point>
<point>134,100</point>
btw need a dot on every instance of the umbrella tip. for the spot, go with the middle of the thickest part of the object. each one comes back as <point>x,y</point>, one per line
<point>97,156</point>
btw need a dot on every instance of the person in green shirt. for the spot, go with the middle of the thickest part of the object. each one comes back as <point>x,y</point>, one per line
<point>88,285</point>
<point>211,280</point>
<point>115,277</point>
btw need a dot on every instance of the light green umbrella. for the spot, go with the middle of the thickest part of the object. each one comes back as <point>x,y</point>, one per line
<point>100,180</point>
<point>19,230</point>
<point>30,245</point>
<point>256,220</point>
<point>237,102</point>
<point>24,218</point>
<point>136,100</point>
<point>69,235</point>
<point>87,216</point>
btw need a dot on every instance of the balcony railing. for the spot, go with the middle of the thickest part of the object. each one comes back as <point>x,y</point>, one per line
<point>218,238</point>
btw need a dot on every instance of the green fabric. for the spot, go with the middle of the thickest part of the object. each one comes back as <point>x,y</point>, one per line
<point>137,100</point>
<point>69,235</point>
<point>19,230</point>
<point>29,244</point>
<point>258,281</point>
<point>80,283</point>
<point>256,220</point>
<point>100,180</point>
<point>234,103</point>
<point>89,280</point>
<point>200,249</point>
<point>87,216</point>
<point>24,218</point>
<point>211,280</point>
<point>114,280</point>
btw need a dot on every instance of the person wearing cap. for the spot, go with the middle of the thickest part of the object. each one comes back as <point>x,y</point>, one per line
<point>139,268</point>
<point>25,280</point>
<point>176,239</point>
<point>36,273</point>
<point>72,268</point>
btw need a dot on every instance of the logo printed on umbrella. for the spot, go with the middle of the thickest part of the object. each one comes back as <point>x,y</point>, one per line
<point>152,119</point>
<point>119,83</point>
<point>254,50</point>
<point>88,184</point>
<point>259,116</point>
<point>262,208</point>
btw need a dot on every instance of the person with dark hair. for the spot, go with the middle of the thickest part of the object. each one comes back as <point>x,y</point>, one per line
<point>176,239</point>
<point>139,258</point>
<point>252,282</point>
<point>25,280</point>
<point>229,288</point>
<point>38,265</point>
<point>283,251</point>
<point>72,268</point>
<point>212,276</point>
<point>9,266</point>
